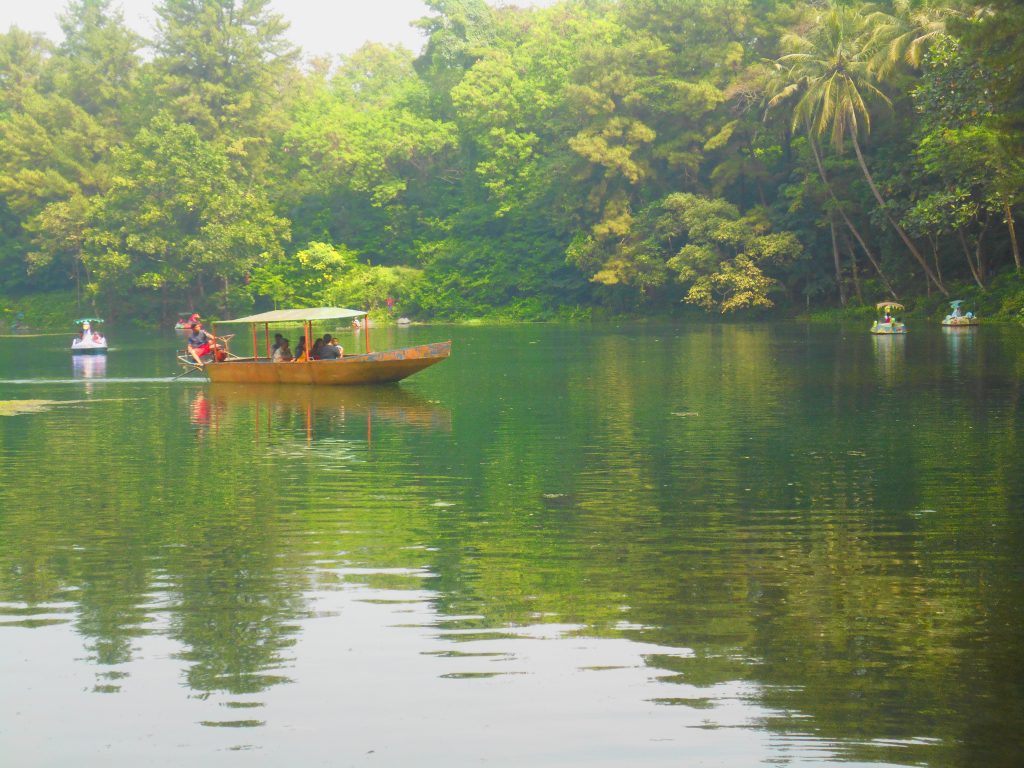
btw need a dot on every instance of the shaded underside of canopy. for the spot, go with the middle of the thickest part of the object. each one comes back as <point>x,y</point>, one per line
<point>891,304</point>
<point>310,314</point>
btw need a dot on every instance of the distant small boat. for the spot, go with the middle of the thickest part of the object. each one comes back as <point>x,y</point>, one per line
<point>89,340</point>
<point>185,320</point>
<point>368,368</point>
<point>404,321</point>
<point>958,319</point>
<point>888,325</point>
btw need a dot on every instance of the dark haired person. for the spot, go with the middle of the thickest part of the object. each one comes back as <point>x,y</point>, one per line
<point>200,343</point>
<point>330,350</point>
<point>283,353</point>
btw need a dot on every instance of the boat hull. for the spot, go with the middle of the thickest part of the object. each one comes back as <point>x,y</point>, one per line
<point>97,350</point>
<point>961,322</point>
<point>372,368</point>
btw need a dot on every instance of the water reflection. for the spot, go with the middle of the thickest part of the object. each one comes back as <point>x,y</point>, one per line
<point>320,411</point>
<point>890,357</point>
<point>640,546</point>
<point>89,366</point>
<point>959,344</point>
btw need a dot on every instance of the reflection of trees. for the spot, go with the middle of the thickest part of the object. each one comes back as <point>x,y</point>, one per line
<point>236,607</point>
<point>875,495</point>
<point>762,496</point>
<point>111,538</point>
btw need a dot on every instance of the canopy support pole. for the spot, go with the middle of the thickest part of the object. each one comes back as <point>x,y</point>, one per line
<point>307,328</point>
<point>366,331</point>
<point>255,349</point>
<point>266,335</point>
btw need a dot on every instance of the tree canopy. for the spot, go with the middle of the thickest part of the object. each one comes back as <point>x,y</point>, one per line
<point>590,156</point>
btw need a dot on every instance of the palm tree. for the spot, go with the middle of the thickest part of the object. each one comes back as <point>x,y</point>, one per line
<point>831,69</point>
<point>906,33</point>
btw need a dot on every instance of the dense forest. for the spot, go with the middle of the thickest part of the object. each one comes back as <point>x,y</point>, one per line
<point>591,157</point>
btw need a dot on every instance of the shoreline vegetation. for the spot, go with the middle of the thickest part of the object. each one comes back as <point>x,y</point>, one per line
<point>1003,304</point>
<point>586,160</point>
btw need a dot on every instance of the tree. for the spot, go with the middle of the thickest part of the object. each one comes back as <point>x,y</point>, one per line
<point>831,70</point>
<point>704,243</point>
<point>175,218</point>
<point>961,145</point>
<point>98,63</point>
<point>222,66</point>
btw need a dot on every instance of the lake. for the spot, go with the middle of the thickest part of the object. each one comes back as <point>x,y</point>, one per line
<point>568,545</point>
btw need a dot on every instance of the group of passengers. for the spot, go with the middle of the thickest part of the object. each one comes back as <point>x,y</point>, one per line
<point>326,348</point>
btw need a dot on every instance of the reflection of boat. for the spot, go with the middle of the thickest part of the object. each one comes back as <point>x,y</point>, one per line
<point>367,368</point>
<point>89,341</point>
<point>958,319</point>
<point>89,366</point>
<point>388,403</point>
<point>888,324</point>
<point>185,320</point>
<point>890,356</point>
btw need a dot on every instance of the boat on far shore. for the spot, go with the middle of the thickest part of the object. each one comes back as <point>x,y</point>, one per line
<point>957,318</point>
<point>185,320</point>
<point>89,341</point>
<point>888,325</point>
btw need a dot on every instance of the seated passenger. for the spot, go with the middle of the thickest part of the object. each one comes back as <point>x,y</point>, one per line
<point>330,350</point>
<point>283,353</point>
<point>317,346</point>
<point>300,351</point>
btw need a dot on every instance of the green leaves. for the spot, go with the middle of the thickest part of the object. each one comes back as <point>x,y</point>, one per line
<point>174,209</point>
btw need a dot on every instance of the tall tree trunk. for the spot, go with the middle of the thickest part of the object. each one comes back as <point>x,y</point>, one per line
<point>1013,233</point>
<point>899,229</point>
<point>854,270</point>
<point>935,256</point>
<point>895,225</point>
<point>78,283</point>
<point>835,258</point>
<point>846,219</point>
<point>970,260</point>
<point>979,254</point>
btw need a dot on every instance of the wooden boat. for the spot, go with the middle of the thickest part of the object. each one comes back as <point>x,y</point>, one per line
<point>958,319</point>
<point>89,341</point>
<point>888,325</point>
<point>365,368</point>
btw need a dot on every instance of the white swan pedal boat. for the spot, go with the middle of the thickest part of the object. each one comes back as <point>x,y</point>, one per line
<point>89,341</point>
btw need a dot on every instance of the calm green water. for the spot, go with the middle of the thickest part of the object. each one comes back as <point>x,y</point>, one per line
<point>565,546</point>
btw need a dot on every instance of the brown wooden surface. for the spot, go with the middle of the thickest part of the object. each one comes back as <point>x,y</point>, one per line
<point>374,368</point>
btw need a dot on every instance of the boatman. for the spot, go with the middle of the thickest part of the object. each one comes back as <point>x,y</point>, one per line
<point>200,343</point>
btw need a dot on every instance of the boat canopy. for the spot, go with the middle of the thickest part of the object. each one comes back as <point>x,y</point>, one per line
<point>81,320</point>
<point>890,304</point>
<point>299,315</point>
<point>956,303</point>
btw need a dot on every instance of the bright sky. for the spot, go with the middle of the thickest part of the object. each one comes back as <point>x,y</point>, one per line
<point>318,26</point>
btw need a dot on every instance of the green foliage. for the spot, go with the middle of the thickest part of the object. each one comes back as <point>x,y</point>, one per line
<point>174,216</point>
<point>577,159</point>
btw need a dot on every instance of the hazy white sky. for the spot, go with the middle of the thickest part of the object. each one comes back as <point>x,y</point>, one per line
<point>318,26</point>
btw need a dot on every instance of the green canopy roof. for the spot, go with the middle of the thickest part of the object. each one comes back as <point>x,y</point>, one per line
<point>299,315</point>
<point>89,320</point>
